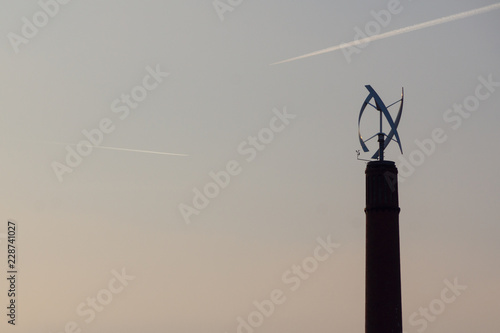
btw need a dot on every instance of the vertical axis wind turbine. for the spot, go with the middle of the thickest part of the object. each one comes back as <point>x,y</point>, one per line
<point>383,139</point>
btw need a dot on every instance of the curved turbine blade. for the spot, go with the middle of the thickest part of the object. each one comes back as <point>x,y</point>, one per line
<point>363,107</point>
<point>387,115</point>
<point>396,122</point>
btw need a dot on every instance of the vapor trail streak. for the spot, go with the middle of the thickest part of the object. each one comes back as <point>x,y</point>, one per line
<point>396,32</point>
<point>141,151</point>
<point>122,149</point>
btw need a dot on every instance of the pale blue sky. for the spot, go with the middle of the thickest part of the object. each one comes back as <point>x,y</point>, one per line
<point>120,209</point>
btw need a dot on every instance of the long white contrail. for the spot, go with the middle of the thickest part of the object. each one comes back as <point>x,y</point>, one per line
<point>397,32</point>
<point>122,149</point>
<point>141,151</point>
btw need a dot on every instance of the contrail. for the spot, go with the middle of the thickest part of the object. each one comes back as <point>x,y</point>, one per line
<point>141,151</point>
<point>397,32</point>
<point>122,149</point>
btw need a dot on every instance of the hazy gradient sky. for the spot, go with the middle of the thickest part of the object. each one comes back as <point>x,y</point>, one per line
<point>120,210</point>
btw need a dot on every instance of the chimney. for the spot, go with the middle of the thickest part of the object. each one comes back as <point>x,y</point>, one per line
<point>383,273</point>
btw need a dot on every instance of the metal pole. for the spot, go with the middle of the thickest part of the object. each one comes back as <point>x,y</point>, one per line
<point>381,146</point>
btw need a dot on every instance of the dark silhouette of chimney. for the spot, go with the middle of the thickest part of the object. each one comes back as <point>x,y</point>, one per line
<point>383,273</point>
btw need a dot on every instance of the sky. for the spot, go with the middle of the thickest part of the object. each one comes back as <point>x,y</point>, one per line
<point>167,171</point>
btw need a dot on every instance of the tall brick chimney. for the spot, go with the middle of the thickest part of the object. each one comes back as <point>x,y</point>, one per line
<point>383,273</point>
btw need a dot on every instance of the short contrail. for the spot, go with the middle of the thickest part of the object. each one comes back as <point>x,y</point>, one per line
<point>397,32</point>
<point>141,151</point>
<point>122,149</point>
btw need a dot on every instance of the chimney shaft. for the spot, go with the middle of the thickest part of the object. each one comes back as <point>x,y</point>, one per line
<point>383,274</point>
